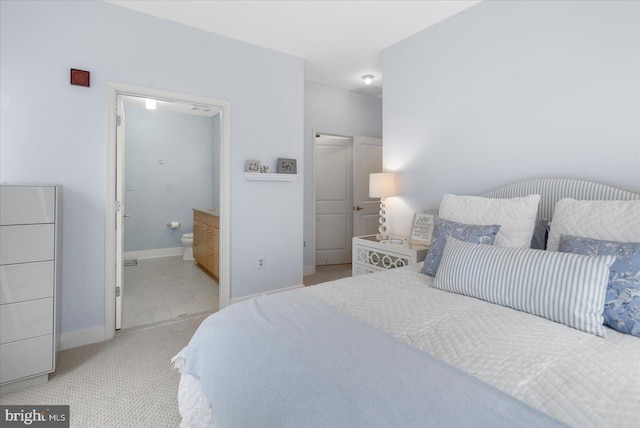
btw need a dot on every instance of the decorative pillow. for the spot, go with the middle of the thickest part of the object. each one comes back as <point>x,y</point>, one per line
<point>465,232</point>
<point>622,301</point>
<point>563,287</point>
<point>540,234</point>
<point>516,216</point>
<point>608,220</point>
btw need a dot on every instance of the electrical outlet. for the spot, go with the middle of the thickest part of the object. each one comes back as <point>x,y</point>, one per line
<point>260,262</point>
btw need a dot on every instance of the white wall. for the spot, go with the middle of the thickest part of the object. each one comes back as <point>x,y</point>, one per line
<point>505,91</point>
<point>56,133</point>
<point>336,111</point>
<point>169,171</point>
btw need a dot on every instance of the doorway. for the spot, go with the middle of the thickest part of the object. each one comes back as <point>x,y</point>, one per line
<point>171,157</point>
<point>343,208</point>
<point>114,206</point>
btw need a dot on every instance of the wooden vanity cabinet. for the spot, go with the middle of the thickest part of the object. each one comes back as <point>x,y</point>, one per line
<point>206,241</point>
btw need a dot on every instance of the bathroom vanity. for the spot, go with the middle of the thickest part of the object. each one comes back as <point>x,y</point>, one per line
<point>206,240</point>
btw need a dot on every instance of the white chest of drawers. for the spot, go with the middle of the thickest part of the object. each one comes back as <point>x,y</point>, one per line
<point>372,255</point>
<point>29,284</point>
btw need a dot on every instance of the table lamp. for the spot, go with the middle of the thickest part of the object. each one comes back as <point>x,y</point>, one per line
<point>382,185</point>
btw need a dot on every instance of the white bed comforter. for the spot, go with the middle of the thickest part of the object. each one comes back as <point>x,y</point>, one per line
<point>575,377</point>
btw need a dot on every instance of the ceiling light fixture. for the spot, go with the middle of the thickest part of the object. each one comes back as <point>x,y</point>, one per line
<point>368,78</point>
<point>150,104</point>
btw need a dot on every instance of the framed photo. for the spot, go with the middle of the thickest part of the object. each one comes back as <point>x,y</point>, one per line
<point>422,227</point>
<point>287,166</point>
<point>253,166</point>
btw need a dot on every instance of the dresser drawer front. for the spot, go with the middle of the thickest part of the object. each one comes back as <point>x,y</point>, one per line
<point>26,319</point>
<point>26,358</point>
<point>26,281</point>
<point>29,243</point>
<point>27,205</point>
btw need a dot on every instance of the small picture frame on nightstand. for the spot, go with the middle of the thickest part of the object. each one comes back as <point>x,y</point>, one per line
<point>422,228</point>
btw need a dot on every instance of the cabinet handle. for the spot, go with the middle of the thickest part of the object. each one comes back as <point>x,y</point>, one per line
<point>357,208</point>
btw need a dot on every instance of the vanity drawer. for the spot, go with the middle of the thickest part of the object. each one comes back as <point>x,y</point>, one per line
<point>27,243</point>
<point>26,358</point>
<point>26,319</point>
<point>26,281</point>
<point>27,205</point>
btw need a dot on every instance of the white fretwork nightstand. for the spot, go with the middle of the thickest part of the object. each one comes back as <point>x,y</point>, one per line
<point>372,255</point>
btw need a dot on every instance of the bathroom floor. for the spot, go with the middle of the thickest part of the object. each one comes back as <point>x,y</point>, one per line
<point>165,288</point>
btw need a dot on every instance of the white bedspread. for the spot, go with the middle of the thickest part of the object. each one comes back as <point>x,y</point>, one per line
<point>575,377</point>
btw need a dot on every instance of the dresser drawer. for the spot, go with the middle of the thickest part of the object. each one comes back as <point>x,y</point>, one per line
<point>26,281</point>
<point>26,319</point>
<point>28,243</point>
<point>27,205</point>
<point>26,358</point>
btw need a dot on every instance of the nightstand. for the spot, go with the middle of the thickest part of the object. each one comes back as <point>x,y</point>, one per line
<point>372,255</point>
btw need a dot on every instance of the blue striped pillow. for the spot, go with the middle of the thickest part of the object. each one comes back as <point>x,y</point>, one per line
<point>563,287</point>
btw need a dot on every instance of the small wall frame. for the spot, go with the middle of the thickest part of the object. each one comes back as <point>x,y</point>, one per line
<point>287,166</point>
<point>253,166</point>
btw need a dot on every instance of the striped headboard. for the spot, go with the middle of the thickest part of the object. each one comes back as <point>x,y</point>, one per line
<point>552,190</point>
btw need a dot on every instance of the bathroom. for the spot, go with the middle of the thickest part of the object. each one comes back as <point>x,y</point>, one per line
<point>172,153</point>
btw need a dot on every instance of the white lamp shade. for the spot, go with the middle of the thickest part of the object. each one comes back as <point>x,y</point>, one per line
<point>382,185</point>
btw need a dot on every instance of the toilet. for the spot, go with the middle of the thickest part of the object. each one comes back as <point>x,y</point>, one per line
<point>187,243</point>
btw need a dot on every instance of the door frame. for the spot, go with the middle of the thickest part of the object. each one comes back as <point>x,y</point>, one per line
<point>113,90</point>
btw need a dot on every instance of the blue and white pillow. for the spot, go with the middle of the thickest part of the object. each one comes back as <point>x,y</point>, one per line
<point>622,301</point>
<point>540,234</point>
<point>563,287</point>
<point>465,232</point>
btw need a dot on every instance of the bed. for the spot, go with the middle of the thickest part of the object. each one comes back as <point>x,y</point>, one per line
<point>460,347</point>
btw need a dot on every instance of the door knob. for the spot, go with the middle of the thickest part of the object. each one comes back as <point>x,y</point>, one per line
<point>126,215</point>
<point>357,208</point>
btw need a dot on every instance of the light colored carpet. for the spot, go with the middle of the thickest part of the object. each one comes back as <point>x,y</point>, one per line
<point>125,382</point>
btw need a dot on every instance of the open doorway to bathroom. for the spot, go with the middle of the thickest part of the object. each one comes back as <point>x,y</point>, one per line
<point>115,193</point>
<point>171,165</point>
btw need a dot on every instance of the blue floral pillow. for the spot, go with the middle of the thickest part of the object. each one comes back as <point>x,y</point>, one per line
<point>463,232</point>
<point>622,302</point>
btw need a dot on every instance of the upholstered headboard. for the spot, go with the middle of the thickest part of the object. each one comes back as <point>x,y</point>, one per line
<point>552,190</point>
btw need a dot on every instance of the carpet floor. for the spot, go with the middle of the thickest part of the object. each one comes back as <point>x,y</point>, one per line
<point>125,382</point>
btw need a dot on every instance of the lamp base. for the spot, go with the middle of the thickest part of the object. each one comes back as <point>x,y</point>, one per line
<point>382,229</point>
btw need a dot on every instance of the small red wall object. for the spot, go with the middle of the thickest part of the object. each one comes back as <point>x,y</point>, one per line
<point>80,77</point>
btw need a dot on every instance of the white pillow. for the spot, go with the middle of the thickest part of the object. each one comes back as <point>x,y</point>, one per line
<point>606,220</point>
<point>516,216</point>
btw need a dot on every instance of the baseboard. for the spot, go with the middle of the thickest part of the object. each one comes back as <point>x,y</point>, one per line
<point>308,270</point>
<point>152,254</point>
<point>242,298</point>
<point>73,339</point>
<point>10,387</point>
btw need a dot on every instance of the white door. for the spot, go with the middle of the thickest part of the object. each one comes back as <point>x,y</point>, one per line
<point>333,169</point>
<point>367,159</point>
<point>119,208</point>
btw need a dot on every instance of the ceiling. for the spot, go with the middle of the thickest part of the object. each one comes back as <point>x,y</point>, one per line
<point>340,40</point>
